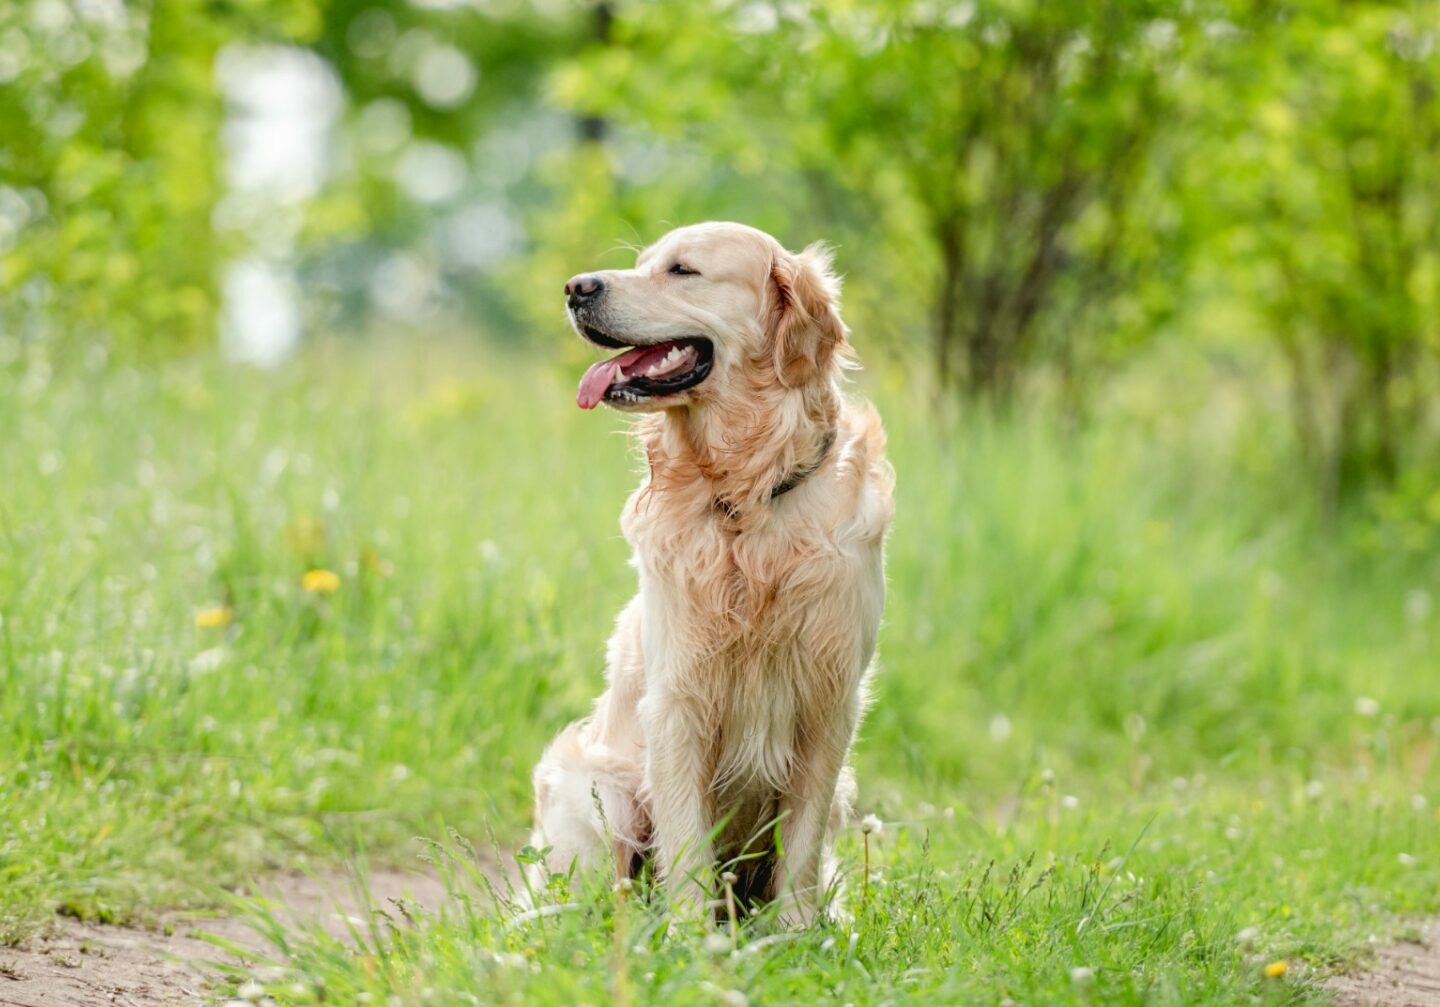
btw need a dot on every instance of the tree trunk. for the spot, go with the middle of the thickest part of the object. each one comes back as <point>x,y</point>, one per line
<point>987,342</point>
<point>947,303</point>
<point>595,128</point>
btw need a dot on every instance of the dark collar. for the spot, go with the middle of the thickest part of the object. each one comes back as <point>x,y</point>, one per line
<point>795,478</point>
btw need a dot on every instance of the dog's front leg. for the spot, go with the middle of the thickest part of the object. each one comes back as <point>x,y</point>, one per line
<point>678,785</point>
<point>805,819</point>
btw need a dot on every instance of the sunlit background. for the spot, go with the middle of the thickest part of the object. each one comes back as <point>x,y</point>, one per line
<point>1027,198</point>
<point>305,549</point>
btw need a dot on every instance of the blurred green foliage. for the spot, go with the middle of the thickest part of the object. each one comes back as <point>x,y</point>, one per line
<point>1000,152</point>
<point>1315,160</point>
<point>109,170</point>
<point>1025,194</point>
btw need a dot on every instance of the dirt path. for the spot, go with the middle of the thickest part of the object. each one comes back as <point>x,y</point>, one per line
<point>75,964</point>
<point>1405,975</point>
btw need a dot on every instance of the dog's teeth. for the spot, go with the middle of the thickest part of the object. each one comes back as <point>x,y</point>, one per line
<point>676,355</point>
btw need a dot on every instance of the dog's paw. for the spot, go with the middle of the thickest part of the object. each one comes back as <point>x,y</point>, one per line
<point>795,912</point>
<point>692,911</point>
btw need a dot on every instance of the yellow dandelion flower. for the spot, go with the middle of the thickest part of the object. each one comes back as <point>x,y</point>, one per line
<point>320,581</point>
<point>214,617</point>
<point>306,535</point>
<point>1277,969</point>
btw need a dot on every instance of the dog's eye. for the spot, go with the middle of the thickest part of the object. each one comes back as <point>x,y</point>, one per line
<point>680,269</point>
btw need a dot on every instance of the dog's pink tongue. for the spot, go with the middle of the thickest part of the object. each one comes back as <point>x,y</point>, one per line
<point>602,375</point>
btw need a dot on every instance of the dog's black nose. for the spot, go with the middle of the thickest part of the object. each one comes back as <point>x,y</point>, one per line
<point>584,288</point>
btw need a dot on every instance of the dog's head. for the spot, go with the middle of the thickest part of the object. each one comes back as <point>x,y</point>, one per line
<point>709,312</point>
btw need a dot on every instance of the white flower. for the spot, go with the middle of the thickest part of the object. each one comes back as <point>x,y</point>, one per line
<point>1082,975</point>
<point>1406,859</point>
<point>250,991</point>
<point>871,823</point>
<point>1367,707</point>
<point>717,944</point>
<point>1000,728</point>
<point>208,660</point>
<point>1247,937</point>
<point>1418,605</point>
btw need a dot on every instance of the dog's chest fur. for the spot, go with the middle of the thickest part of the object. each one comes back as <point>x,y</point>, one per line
<point>763,632</point>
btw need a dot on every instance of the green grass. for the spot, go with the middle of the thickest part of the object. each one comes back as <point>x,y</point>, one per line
<point>1115,727</point>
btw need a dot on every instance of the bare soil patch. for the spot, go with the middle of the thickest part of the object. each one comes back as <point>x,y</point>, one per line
<point>77,964</point>
<point>1406,974</point>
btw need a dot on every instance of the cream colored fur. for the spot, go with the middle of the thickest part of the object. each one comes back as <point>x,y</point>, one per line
<point>737,675</point>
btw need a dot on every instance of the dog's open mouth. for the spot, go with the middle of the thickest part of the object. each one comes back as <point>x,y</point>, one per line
<point>643,372</point>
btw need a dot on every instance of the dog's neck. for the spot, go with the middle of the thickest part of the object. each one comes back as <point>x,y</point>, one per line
<point>740,455</point>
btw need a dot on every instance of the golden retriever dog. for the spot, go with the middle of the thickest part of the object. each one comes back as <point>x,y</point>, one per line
<point>737,675</point>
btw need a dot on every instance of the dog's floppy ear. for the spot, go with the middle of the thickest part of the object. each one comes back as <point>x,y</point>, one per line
<point>805,331</point>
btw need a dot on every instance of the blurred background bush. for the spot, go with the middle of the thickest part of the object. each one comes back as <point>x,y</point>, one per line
<point>1039,205</point>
